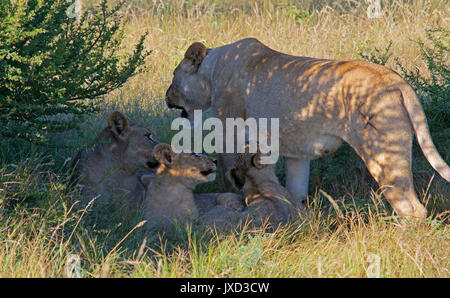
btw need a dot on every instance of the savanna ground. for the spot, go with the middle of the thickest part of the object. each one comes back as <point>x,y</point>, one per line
<point>42,222</point>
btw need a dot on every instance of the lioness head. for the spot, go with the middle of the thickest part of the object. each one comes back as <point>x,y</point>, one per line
<point>190,89</point>
<point>188,168</point>
<point>110,167</point>
<point>133,144</point>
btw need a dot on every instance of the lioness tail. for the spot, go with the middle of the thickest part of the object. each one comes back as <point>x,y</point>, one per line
<point>419,124</point>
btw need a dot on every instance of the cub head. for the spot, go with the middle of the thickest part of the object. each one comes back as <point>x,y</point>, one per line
<point>190,89</point>
<point>133,144</point>
<point>189,168</point>
<point>248,171</point>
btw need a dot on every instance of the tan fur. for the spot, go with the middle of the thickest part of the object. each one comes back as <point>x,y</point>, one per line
<point>266,199</point>
<point>110,167</point>
<point>320,103</point>
<point>231,200</point>
<point>195,53</point>
<point>267,203</point>
<point>228,210</point>
<point>207,201</point>
<point>169,195</point>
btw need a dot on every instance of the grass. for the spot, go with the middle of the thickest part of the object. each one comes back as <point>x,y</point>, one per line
<point>43,224</point>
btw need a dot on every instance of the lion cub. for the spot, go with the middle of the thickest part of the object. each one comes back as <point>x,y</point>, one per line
<point>110,167</point>
<point>266,199</point>
<point>169,195</point>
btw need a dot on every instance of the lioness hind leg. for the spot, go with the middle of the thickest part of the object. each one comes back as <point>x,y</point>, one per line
<point>391,168</point>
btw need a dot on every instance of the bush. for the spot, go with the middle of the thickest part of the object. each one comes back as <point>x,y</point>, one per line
<point>434,90</point>
<point>52,67</point>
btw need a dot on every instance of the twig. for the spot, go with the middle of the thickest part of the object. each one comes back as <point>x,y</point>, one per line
<point>333,203</point>
<point>126,236</point>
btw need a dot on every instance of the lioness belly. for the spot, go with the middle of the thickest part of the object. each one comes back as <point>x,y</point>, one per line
<point>308,145</point>
<point>308,129</point>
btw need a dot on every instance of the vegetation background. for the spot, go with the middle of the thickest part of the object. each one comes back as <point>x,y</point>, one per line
<point>44,232</point>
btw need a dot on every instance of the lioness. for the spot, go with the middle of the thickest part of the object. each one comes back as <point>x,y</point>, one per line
<point>169,195</point>
<point>110,167</point>
<point>319,104</point>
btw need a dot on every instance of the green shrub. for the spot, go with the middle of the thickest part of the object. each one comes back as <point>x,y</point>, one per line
<point>376,55</point>
<point>434,90</point>
<point>52,67</point>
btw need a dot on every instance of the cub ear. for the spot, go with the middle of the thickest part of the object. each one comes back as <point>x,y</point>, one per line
<point>164,154</point>
<point>194,55</point>
<point>256,160</point>
<point>119,125</point>
<point>236,178</point>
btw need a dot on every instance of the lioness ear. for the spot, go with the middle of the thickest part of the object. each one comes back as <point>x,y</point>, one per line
<point>164,154</point>
<point>235,178</point>
<point>195,54</point>
<point>119,125</point>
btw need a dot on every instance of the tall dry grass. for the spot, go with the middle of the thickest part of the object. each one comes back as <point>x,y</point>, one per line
<point>45,240</point>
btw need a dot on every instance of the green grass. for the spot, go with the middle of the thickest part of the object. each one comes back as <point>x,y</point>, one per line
<point>43,222</point>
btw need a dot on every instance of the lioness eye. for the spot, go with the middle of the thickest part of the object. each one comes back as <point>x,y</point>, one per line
<point>195,155</point>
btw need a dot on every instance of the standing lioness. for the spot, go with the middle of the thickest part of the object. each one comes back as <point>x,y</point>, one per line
<point>319,104</point>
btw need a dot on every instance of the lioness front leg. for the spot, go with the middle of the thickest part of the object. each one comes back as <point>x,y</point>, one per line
<point>297,178</point>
